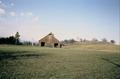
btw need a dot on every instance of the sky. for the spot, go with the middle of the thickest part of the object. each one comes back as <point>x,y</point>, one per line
<point>34,19</point>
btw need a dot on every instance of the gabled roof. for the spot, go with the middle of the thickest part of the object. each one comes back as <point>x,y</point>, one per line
<point>49,39</point>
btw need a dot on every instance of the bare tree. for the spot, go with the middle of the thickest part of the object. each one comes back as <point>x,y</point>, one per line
<point>94,40</point>
<point>104,40</point>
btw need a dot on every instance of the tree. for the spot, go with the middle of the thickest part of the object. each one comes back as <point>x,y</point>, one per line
<point>2,40</point>
<point>104,40</point>
<point>112,41</point>
<point>65,41</point>
<point>84,40</point>
<point>11,40</point>
<point>17,36</point>
<point>81,40</point>
<point>8,40</point>
<point>69,41</point>
<point>72,41</point>
<point>27,43</point>
<point>94,40</point>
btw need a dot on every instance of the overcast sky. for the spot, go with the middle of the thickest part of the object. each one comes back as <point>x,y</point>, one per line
<point>76,19</point>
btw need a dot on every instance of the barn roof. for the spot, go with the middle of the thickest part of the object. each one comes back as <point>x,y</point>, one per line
<point>50,38</point>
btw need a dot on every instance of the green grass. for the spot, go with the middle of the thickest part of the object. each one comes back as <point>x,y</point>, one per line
<point>26,62</point>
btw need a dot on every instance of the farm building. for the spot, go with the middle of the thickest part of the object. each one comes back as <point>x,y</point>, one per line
<point>49,41</point>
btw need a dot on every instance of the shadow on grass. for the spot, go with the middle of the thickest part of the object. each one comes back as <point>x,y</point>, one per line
<point>117,65</point>
<point>19,55</point>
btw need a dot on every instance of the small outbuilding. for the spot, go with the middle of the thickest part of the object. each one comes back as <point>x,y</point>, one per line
<point>49,41</point>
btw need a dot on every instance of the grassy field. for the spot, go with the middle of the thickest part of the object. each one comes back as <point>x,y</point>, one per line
<point>81,62</point>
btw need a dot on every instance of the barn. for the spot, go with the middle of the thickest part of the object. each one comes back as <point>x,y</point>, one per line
<point>49,41</point>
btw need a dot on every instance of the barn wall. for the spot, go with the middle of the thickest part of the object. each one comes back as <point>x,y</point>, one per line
<point>49,44</point>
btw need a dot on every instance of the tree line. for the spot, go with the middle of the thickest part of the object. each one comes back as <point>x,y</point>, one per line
<point>93,41</point>
<point>11,39</point>
<point>15,40</point>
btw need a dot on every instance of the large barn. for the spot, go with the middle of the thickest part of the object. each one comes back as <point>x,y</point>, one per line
<point>49,41</point>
